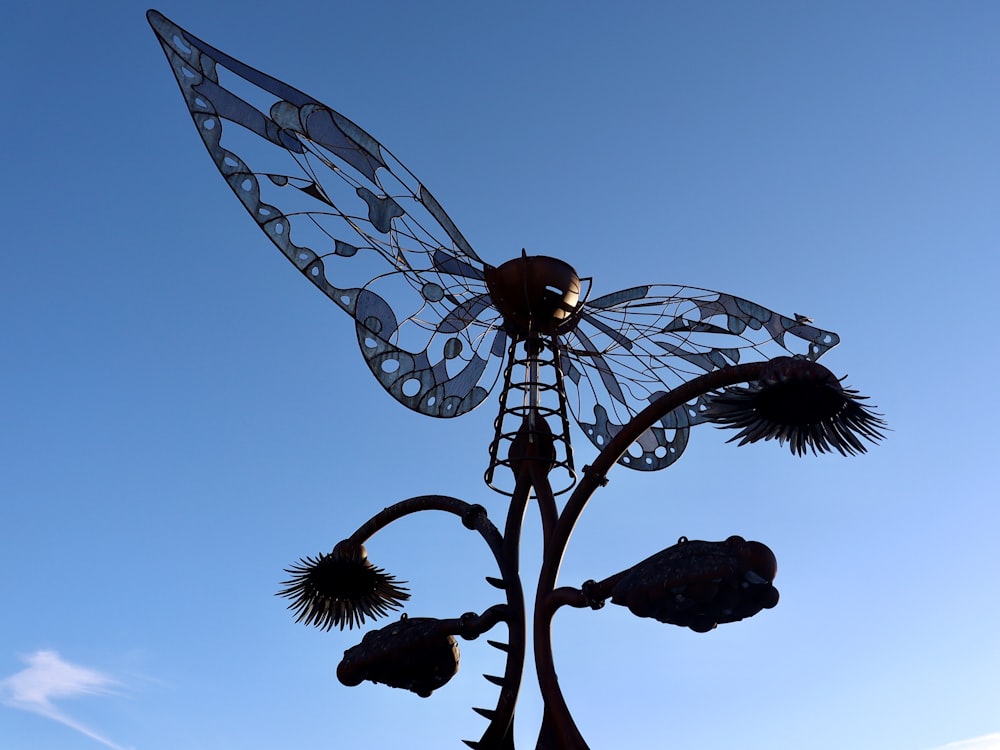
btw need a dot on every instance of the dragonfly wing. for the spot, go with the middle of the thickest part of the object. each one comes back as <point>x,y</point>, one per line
<point>632,346</point>
<point>354,221</point>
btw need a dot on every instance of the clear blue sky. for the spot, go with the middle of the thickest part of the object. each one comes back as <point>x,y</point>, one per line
<point>184,416</point>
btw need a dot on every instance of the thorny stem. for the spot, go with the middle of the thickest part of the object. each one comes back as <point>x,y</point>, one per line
<point>558,730</point>
<point>506,552</point>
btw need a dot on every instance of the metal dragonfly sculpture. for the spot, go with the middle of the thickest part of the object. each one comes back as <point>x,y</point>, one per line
<point>437,325</point>
<point>439,328</point>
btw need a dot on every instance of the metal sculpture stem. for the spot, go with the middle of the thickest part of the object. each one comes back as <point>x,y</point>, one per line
<point>505,549</point>
<point>473,516</point>
<point>559,731</point>
<point>531,461</point>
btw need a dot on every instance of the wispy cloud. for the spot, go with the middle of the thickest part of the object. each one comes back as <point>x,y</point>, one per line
<point>986,742</point>
<point>48,677</point>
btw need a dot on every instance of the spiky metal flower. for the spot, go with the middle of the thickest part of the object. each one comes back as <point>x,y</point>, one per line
<point>416,654</point>
<point>341,588</point>
<point>802,403</point>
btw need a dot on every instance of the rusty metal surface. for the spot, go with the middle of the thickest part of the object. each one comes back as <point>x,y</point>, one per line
<point>698,584</point>
<point>415,654</point>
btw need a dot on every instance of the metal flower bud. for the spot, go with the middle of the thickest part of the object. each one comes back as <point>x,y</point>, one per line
<point>698,584</point>
<point>416,654</point>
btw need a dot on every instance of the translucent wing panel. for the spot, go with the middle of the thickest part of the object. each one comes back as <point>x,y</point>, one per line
<point>354,221</point>
<point>632,346</point>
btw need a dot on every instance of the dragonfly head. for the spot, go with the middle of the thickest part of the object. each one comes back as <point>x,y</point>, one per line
<point>535,294</point>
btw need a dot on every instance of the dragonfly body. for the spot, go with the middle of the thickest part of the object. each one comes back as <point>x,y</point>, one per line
<point>535,295</point>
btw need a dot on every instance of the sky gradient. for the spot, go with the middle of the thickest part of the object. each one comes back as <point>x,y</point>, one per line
<point>184,416</point>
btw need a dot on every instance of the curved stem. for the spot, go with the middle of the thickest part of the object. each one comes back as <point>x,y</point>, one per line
<point>505,552</point>
<point>559,732</point>
<point>473,516</point>
<point>499,735</point>
<point>594,476</point>
<point>472,625</point>
<point>545,498</point>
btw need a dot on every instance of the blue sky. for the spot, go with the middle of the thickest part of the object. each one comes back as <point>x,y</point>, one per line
<point>185,416</point>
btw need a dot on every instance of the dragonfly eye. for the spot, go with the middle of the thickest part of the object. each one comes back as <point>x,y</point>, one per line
<point>535,293</point>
